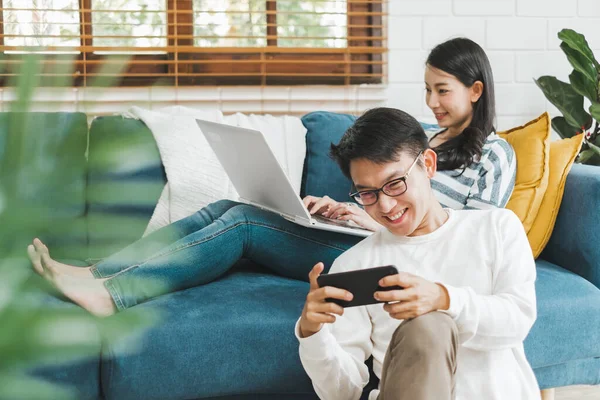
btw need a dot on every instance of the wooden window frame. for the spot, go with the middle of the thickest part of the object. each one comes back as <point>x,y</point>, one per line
<point>361,62</point>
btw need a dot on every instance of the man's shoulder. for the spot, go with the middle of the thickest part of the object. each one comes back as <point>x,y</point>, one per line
<point>498,222</point>
<point>492,215</point>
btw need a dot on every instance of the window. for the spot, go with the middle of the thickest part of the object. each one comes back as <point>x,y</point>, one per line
<point>40,23</point>
<point>127,23</point>
<point>197,42</point>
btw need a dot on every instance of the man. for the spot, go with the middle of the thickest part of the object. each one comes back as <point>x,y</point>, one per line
<point>456,331</point>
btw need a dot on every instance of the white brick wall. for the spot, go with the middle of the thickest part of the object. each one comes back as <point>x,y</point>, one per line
<point>519,36</point>
<point>484,8</point>
<point>589,8</point>
<point>547,8</point>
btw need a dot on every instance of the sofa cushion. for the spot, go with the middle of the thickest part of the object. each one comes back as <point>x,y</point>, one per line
<point>125,180</point>
<point>234,336</point>
<point>531,143</point>
<point>568,321</point>
<point>49,168</point>
<point>562,156</point>
<point>321,175</point>
<point>574,241</point>
<point>577,372</point>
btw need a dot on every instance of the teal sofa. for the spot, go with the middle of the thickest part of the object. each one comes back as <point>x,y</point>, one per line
<point>233,338</point>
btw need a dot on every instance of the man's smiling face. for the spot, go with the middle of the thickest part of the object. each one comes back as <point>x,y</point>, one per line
<point>403,215</point>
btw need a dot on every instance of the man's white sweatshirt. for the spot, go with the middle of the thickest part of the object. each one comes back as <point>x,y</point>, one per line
<point>484,260</point>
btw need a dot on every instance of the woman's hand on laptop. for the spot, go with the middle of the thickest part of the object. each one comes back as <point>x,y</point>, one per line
<point>329,208</point>
<point>316,310</point>
<point>418,297</point>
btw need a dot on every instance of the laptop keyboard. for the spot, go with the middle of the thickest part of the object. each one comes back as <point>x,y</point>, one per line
<point>344,224</point>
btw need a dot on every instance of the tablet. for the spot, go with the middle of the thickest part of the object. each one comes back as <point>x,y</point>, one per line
<point>362,283</point>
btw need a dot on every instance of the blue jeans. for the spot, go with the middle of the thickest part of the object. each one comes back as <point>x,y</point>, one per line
<point>200,248</point>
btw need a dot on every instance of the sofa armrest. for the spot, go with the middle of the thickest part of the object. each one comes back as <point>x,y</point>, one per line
<point>575,241</point>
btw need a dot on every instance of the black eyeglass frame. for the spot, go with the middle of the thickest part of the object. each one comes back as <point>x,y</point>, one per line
<point>403,178</point>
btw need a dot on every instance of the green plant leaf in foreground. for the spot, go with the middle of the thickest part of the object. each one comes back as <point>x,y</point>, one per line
<point>37,329</point>
<point>26,82</point>
<point>583,85</point>
<point>566,99</point>
<point>577,42</point>
<point>562,127</point>
<point>19,387</point>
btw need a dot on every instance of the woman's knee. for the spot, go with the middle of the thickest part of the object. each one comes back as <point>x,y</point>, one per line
<point>224,204</point>
<point>216,209</point>
<point>245,213</point>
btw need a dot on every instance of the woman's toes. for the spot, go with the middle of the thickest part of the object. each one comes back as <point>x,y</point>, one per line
<point>47,263</point>
<point>39,246</point>
<point>35,259</point>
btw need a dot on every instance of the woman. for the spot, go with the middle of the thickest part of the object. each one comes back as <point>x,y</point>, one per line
<point>476,169</point>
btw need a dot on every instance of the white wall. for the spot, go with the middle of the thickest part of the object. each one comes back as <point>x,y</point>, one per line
<point>276,100</point>
<point>519,36</point>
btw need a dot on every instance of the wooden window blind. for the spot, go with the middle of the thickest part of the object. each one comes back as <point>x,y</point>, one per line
<point>195,42</point>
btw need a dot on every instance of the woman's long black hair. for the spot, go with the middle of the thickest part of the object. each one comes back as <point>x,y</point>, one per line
<point>466,60</point>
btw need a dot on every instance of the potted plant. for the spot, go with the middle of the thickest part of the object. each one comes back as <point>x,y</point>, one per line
<point>579,116</point>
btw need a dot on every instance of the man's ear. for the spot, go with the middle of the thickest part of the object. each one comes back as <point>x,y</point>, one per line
<point>430,161</point>
<point>476,91</point>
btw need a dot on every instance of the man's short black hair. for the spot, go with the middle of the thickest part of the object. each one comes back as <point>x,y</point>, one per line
<point>379,136</point>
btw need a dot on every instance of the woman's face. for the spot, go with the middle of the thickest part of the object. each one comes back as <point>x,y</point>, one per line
<point>450,100</point>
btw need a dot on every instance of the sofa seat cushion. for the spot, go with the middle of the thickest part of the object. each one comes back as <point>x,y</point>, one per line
<point>232,336</point>
<point>568,321</point>
<point>79,375</point>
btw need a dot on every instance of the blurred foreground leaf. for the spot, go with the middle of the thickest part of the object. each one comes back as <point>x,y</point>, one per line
<point>43,191</point>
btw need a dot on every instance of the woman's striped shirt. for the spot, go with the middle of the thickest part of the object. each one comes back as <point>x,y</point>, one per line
<point>486,183</point>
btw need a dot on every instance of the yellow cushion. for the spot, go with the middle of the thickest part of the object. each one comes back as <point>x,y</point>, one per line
<point>531,143</point>
<point>562,156</point>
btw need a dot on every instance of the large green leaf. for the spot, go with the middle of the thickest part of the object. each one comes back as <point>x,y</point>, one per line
<point>585,156</point>
<point>580,63</point>
<point>566,99</point>
<point>594,148</point>
<point>583,85</point>
<point>26,81</point>
<point>595,111</point>
<point>36,332</point>
<point>19,387</point>
<point>577,42</point>
<point>562,127</point>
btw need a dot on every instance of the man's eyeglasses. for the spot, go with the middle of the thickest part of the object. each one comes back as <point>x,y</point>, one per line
<point>393,188</point>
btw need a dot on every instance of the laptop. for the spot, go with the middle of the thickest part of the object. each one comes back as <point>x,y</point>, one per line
<point>259,179</point>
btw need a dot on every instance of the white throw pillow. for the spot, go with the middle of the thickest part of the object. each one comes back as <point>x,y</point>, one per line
<point>195,176</point>
<point>160,216</point>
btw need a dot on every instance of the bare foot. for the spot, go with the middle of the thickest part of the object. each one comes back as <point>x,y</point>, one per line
<point>37,249</point>
<point>90,294</point>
